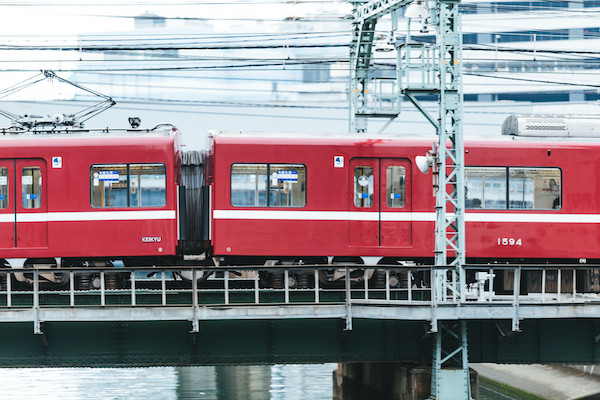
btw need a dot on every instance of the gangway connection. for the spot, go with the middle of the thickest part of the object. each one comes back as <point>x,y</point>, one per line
<point>399,293</point>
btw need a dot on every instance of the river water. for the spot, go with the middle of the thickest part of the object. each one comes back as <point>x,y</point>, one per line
<point>277,382</point>
<point>257,382</point>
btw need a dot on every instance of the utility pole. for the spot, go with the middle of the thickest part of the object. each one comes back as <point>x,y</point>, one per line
<point>428,69</point>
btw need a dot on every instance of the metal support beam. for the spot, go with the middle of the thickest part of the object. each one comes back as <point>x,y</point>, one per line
<point>450,371</point>
<point>378,8</point>
<point>360,61</point>
<point>367,97</point>
<point>438,70</point>
<point>450,374</point>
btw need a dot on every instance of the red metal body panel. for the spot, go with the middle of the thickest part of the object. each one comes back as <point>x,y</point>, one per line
<point>66,224</point>
<point>330,225</point>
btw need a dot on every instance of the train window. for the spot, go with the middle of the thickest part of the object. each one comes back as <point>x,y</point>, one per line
<point>395,186</point>
<point>486,187</point>
<point>513,188</point>
<point>363,186</point>
<point>534,188</point>
<point>249,185</point>
<point>287,185</point>
<point>3,187</point>
<point>128,185</point>
<point>109,185</point>
<point>31,187</point>
<point>268,185</point>
<point>147,185</point>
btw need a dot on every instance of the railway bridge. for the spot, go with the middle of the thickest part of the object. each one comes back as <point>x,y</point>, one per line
<point>147,317</point>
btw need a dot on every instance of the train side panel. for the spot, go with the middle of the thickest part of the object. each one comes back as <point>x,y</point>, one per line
<point>352,208</point>
<point>335,220</point>
<point>568,228</point>
<point>78,171</point>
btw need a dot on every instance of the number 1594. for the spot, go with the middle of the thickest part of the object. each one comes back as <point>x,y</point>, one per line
<point>510,242</point>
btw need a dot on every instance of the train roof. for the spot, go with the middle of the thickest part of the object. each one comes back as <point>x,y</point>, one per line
<point>412,138</point>
<point>160,131</point>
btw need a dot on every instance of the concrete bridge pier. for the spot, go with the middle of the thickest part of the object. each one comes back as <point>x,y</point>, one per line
<point>386,381</point>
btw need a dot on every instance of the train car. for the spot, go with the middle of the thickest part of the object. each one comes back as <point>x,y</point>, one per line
<point>89,198</point>
<point>302,199</point>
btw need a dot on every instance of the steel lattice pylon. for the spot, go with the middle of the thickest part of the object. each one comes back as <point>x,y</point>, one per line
<point>441,64</point>
<point>450,371</point>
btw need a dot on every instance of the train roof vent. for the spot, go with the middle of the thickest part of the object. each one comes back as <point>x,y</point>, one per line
<point>551,125</point>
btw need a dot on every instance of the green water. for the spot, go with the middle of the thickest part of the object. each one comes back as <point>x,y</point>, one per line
<point>277,382</point>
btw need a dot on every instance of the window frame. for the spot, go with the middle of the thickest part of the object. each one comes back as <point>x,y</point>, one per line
<point>127,168</point>
<point>268,188</point>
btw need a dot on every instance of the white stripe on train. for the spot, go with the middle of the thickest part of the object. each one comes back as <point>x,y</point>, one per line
<point>403,216</point>
<point>90,216</point>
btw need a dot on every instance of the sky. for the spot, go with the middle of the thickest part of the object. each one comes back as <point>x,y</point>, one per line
<point>203,100</point>
<point>49,18</point>
<point>32,25</point>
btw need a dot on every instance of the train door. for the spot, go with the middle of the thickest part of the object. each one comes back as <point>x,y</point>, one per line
<point>364,202</point>
<point>7,204</point>
<point>380,202</point>
<point>395,219</point>
<point>31,203</point>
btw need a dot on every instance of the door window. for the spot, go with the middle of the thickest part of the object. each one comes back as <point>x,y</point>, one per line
<point>3,187</point>
<point>395,186</point>
<point>363,186</point>
<point>31,187</point>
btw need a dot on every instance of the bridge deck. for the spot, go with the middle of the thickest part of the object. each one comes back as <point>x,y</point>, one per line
<point>229,317</point>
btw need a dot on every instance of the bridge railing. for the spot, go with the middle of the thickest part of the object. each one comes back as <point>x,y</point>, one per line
<point>166,286</point>
<point>380,284</point>
<point>316,291</point>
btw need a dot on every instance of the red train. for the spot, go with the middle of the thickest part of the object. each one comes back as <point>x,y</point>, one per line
<point>298,197</point>
<point>124,197</point>
<point>355,199</point>
<point>88,198</point>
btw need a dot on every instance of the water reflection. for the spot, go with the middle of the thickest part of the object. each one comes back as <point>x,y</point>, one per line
<point>279,382</point>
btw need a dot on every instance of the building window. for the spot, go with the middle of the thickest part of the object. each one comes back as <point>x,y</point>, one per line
<point>128,185</point>
<point>316,73</point>
<point>268,185</point>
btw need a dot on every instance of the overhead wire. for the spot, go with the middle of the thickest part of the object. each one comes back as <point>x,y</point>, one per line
<point>252,64</point>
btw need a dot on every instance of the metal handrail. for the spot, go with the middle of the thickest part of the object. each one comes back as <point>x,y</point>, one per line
<point>241,287</point>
